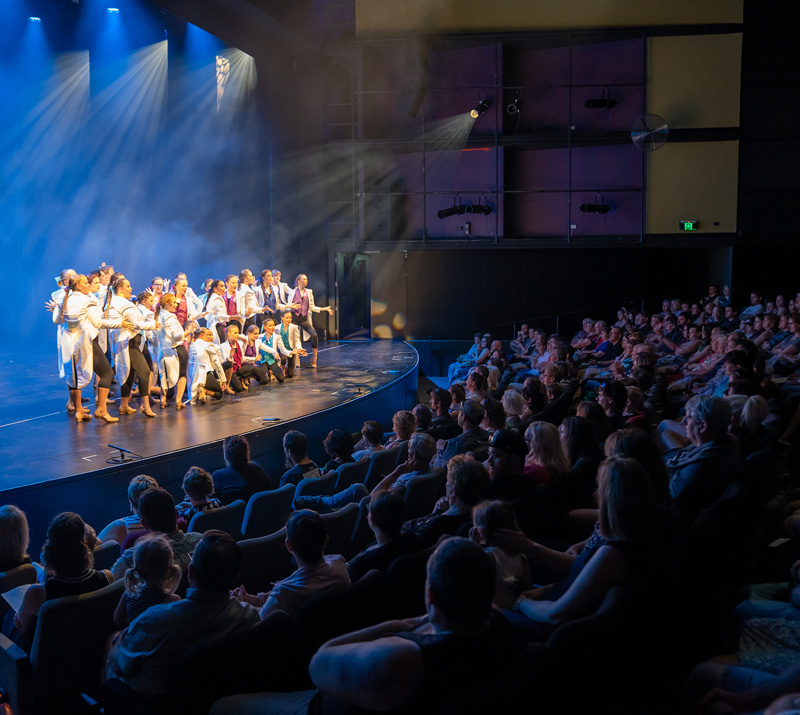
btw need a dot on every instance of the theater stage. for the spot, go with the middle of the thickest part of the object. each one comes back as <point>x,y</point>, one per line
<point>50,463</point>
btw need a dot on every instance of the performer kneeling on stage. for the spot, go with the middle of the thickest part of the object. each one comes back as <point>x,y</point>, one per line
<point>236,367</point>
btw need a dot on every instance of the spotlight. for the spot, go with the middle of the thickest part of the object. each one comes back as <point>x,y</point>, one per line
<point>481,209</point>
<point>598,207</point>
<point>601,103</point>
<point>112,10</point>
<point>451,211</point>
<point>480,108</point>
<point>514,106</point>
<point>33,18</point>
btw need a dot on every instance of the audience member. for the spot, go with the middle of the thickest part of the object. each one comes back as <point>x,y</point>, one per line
<point>467,484</point>
<point>198,486</point>
<point>298,465</point>
<point>306,539</point>
<point>117,530</point>
<point>370,442</point>
<point>386,515</point>
<point>241,477</point>
<point>149,653</point>
<point>338,446</point>
<point>157,511</point>
<point>152,580</point>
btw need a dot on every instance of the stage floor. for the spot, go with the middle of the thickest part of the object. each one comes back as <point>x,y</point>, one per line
<point>40,442</point>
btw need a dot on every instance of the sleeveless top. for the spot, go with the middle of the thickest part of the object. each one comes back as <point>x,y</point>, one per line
<point>138,603</point>
<point>92,580</point>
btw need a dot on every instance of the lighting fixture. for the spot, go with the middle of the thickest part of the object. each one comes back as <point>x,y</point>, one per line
<point>33,18</point>
<point>480,108</point>
<point>482,209</point>
<point>598,207</point>
<point>112,10</point>
<point>602,102</point>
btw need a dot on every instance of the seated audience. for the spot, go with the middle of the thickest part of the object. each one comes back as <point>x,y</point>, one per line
<point>240,478</point>
<point>471,438</point>
<point>295,449</point>
<point>629,529</point>
<point>149,653</point>
<point>416,665</point>
<point>338,446</point>
<point>443,426</point>
<point>546,459</point>
<point>495,415</point>
<point>14,536</point>
<point>306,539</point>
<point>157,511</point>
<point>198,486</point>
<point>512,573</point>
<point>467,484</point>
<point>385,516</point>
<point>700,471</point>
<point>421,450</point>
<point>117,530</point>
<point>403,426</point>
<point>68,563</point>
<point>505,464</point>
<point>370,442</point>
<point>422,417</point>
<point>152,580</point>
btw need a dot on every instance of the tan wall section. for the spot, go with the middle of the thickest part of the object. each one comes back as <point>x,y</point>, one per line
<point>693,181</point>
<point>387,18</point>
<point>694,81</point>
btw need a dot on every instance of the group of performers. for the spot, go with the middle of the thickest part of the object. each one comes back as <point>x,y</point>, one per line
<point>170,342</point>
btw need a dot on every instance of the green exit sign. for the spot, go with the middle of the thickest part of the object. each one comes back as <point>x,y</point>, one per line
<point>689,225</point>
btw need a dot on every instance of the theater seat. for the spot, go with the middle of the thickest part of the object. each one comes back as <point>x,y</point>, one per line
<point>264,561</point>
<point>66,654</point>
<point>267,512</point>
<point>225,518</point>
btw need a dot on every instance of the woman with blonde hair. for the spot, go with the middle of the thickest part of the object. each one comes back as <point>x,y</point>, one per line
<point>403,426</point>
<point>630,537</point>
<point>514,405</point>
<point>546,457</point>
<point>14,538</point>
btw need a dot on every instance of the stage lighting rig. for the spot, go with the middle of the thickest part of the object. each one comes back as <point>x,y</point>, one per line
<point>480,108</point>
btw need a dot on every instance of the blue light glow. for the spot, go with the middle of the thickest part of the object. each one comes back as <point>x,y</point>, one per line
<point>33,18</point>
<point>112,10</point>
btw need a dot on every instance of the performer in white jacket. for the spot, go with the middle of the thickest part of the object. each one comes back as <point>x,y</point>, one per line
<point>302,308</point>
<point>126,347</point>
<point>217,316</point>
<point>247,299</point>
<point>206,373</point>
<point>194,306</point>
<point>173,357</point>
<point>57,296</point>
<point>80,317</point>
<point>284,291</point>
